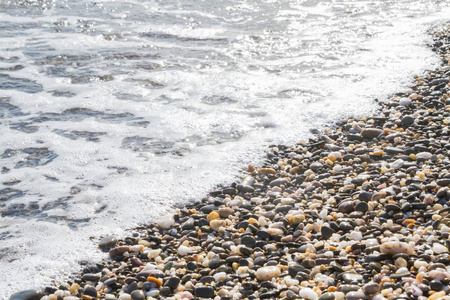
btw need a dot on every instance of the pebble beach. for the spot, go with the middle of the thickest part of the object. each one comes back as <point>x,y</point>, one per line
<point>361,211</point>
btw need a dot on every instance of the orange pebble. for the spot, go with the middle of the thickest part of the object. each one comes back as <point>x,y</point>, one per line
<point>155,280</point>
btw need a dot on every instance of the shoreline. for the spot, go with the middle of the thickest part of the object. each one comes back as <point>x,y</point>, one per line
<point>360,212</point>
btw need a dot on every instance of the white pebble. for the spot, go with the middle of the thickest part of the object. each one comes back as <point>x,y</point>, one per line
<point>308,293</point>
<point>438,248</point>
<point>291,282</point>
<point>125,296</point>
<point>397,164</point>
<point>420,263</point>
<point>287,201</point>
<point>220,276</point>
<point>267,273</point>
<point>184,250</point>
<point>356,235</point>
<point>165,222</point>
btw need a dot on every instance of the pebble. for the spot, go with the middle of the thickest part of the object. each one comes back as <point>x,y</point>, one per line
<point>327,232</point>
<point>165,222</point>
<point>371,288</point>
<point>118,251</point>
<point>267,273</point>
<point>371,133</point>
<point>358,295</point>
<point>90,291</point>
<point>308,293</point>
<point>27,295</point>
<point>107,242</point>
<point>204,292</point>
<point>362,207</point>
<point>438,248</point>
<point>396,248</point>
<point>138,295</point>
<point>352,277</point>
<point>327,296</point>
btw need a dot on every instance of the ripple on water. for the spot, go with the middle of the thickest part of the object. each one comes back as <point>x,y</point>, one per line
<point>33,156</point>
<point>20,84</point>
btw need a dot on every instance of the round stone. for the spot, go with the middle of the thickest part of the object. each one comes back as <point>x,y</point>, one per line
<point>138,295</point>
<point>371,288</point>
<point>436,285</point>
<point>248,241</point>
<point>362,207</point>
<point>90,291</point>
<point>407,120</point>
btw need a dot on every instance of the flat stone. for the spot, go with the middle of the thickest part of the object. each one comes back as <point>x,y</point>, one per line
<point>165,291</point>
<point>225,212</point>
<point>91,277</point>
<point>371,133</point>
<point>268,295</point>
<point>118,251</point>
<point>316,166</point>
<point>278,182</point>
<point>423,156</point>
<point>173,282</point>
<point>204,292</point>
<point>443,182</point>
<point>346,288</point>
<point>293,270</point>
<point>110,281</point>
<point>352,277</point>
<point>346,226</point>
<point>245,188</point>
<point>107,242</point>
<point>327,232</point>
<point>27,295</point>
<point>365,196</point>
<point>397,164</point>
<point>347,206</point>
<point>357,295</point>
<point>393,150</point>
<point>396,248</point>
<point>283,208</point>
<point>371,288</point>
<point>263,234</point>
<point>207,279</point>
<point>189,224</point>
<point>392,207</point>
<point>248,241</point>
<point>327,296</point>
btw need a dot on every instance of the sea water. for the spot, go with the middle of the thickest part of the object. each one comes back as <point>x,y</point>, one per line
<point>112,113</point>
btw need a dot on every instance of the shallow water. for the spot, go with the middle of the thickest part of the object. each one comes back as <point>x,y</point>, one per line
<point>113,112</point>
